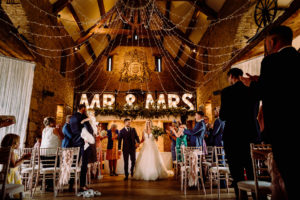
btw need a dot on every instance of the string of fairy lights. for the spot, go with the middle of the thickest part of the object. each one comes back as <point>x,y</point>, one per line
<point>152,26</point>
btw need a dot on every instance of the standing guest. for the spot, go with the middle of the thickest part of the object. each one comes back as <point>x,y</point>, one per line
<point>51,139</point>
<point>38,142</point>
<point>277,83</point>
<point>197,134</point>
<point>207,136</point>
<point>181,140</point>
<point>67,141</point>
<point>237,110</point>
<point>217,133</point>
<point>112,154</point>
<point>77,141</point>
<point>173,138</point>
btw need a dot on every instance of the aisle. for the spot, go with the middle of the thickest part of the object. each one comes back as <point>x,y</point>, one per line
<point>115,188</point>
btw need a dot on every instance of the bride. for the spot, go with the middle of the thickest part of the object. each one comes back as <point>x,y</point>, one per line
<point>149,165</point>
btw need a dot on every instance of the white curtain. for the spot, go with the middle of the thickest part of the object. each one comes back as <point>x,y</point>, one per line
<point>251,66</point>
<point>16,79</point>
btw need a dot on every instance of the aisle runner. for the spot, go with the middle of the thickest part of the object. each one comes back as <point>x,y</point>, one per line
<point>166,156</point>
<point>16,79</point>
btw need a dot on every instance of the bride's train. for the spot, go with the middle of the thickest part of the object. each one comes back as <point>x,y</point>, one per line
<point>149,165</point>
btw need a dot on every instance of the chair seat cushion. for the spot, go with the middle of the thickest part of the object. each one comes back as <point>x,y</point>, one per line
<point>250,184</point>
<point>13,188</point>
<point>221,170</point>
<point>206,164</point>
<point>48,170</point>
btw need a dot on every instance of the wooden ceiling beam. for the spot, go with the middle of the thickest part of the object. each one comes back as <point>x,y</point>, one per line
<point>204,8</point>
<point>88,44</point>
<point>92,30</point>
<point>168,24</point>
<point>167,16</point>
<point>192,23</point>
<point>101,7</point>
<point>9,44</point>
<point>60,5</point>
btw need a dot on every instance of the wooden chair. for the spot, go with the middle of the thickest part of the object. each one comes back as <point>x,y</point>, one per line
<point>219,169</point>
<point>185,169</point>
<point>261,185</point>
<point>207,162</point>
<point>34,171</point>
<point>7,189</point>
<point>74,167</point>
<point>25,167</point>
<point>48,157</point>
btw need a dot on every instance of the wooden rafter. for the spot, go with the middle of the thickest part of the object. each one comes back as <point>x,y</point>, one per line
<point>101,7</point>
<point>88,44</point>
<point>60,5</point>
<point>92,30</point>
<point>167,16</point>
<point>179,53</point>
<point>204,8</point>
<point>192,23</point>
<point>178,32</point>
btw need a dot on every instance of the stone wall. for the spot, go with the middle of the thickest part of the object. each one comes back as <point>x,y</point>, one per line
<point>232,36</point>
<point>48,80</point>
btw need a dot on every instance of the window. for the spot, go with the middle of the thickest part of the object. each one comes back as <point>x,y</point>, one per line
<point>158,64</point>
<point>63,63</point>
<point>109,64</point>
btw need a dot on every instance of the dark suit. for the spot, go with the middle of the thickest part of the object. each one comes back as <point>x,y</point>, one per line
<point>278,88</point>
<point>238,108</point>
<point>76,128</point>
<point>67,141</point>
<point>217,133</point>
<point>196,134</point>
<point>129,139</point>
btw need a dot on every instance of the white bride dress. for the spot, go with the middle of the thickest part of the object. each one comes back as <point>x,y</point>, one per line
<point>149,164</point>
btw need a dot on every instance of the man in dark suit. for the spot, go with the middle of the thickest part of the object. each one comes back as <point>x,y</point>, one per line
<point>217,133</point>
<point>277,87</point>
<point>131,141</point>
<point>198,132</point>
<point>237,110</point>
<point>76,128</point>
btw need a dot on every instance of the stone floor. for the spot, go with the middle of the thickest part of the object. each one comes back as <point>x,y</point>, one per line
<point>117,189</point>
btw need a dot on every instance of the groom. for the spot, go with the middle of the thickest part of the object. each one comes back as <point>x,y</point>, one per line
<point>131,141</point>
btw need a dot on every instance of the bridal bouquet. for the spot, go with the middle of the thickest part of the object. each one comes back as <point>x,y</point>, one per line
<point>157,131</point>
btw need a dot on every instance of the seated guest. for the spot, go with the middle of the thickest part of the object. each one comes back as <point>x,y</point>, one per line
<point>237,110</point>
<point>197,134</point>
<point>217,133</point>
<point>13,141</point>
<point>112,154</point>
<point>51,139</point>
<point>67,141</point>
